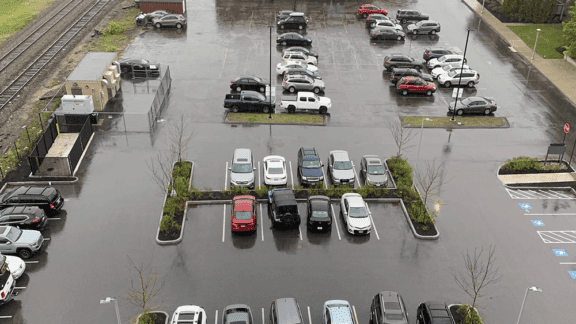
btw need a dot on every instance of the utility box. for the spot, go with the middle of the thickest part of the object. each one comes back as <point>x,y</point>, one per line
<point>80,105</point>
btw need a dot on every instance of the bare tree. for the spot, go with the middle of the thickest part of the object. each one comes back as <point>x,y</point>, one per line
<point>180,135</point>
<point>401,135</point>
<point>160,167</point>
<point>478,273</point>
<point>431,179</point>
<point>145,286</point>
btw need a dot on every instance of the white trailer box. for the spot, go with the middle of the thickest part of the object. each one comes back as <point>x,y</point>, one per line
<point>77,104</point>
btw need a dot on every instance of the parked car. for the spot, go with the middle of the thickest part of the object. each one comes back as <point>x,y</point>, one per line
<point>432,312</point>
<point>283,14</point>
<point>300,71</point>
<point>158,14</point>
<point>400,60</point>
<point>141,19</point>
<point>29,217</point>
<point>388,308</point>
<point>340,168</point>
<point>373,171</point>
<point>294,20</point>
<point>295,83</point>
<point>242,169</point>
<point>310,166</point>
<point>445,60</point>
<point>285,311</point>
<point>458,77</point>
<point>138,66</point>
<point>171,20</point>
<point>16,265</point>
<point>47,198</point>
<point>7,284</point>
<point>399,73</point>
<point>424,27</point>
<point>189,314</point>
<point>408,85</point>
<point>25,243</point>
<point>435,52</point>
<point>299,57</point>
<point>306,101</point>
<point>355,214</point>
<point>301,49</point>
<point>406,15</point>
<point>386,23</point>
<point>243,214</point>
<point>387,33</point>
<point>372,18</point>
<point>338,312</point>
<point>237,314</point>
<point>249,101</point>
<point>368,9</point>
<point>275,170</point>
<point>293,39</point>
<point>283,67</point>
<point>319,213</point>
<point>448,68</point>
<point>283,208</point>
<point>249,83</point>
<point>473,105</point>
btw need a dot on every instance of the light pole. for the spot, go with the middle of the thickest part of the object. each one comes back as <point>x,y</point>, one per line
<point>535,289</point>
<point>421,132</point>
<point>107,301</point>
<point>481,11</point>
<point>270,72</point>
<point>536,42</point>
<point>461,69</point>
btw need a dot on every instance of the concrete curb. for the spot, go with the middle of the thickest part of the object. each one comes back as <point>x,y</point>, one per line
<point>324,122</point>
<point>464,127</point>
<point>40,183</point>
<point>510,185</point>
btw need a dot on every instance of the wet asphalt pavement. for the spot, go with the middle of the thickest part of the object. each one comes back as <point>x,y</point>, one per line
<point>112,212</point>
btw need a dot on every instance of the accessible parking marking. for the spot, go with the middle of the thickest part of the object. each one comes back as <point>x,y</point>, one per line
<point>336,222</point>
<point>558,236</point>
<point>541,193</point>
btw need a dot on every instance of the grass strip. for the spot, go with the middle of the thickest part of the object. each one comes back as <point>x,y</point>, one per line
<point>276,118</point>
<point>467,121</point>
<point>115,35</point>
<point>16,14</point>
<point>550,37</point>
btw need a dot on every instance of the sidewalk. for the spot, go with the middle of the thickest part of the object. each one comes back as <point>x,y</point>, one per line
<point>508,179</point>
<point>561,73</point>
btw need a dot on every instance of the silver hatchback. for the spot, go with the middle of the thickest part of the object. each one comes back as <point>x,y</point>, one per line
<point>242,169</point>
<point>294,83</point>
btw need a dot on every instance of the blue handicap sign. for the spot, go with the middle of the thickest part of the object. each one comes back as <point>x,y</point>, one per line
<point>525,206</point>
<point>560,252</point>
<point>572,274</point>
<point>537,222</point>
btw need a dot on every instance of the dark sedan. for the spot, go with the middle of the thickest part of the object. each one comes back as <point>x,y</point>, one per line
<point>293,39</point>
<point>387,33</point>
<point>25,217</point>
<point>236,314</point>
<point>474,105</point>
<point>373,17</point>
<point>138,66</point>
<point>249,83</point>
<point>300,49</point>
<point>319,213</point>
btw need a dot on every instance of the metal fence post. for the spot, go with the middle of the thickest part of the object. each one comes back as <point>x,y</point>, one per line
<point>27,133</point>
<point>1,172</point>
<point>16,147</point>
<point>41,126</point>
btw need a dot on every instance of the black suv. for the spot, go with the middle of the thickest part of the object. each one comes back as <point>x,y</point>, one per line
<point>295,20</point>
<point>373,17</point>
<point>388,307</point>
<point>25,217</point>
<point>405,16</point>
<point>435,52</point>
<point>283,208</point>
<point>432,312</point>
<point>310,166</point>
<point>397,74</point>
<point>47,198</point>
<point>400,60</point>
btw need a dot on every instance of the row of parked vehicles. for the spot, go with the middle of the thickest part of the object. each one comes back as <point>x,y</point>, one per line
<point>161,18</point>
<point>387,307</point>
<point>23,214</point>
<point>386,28</point>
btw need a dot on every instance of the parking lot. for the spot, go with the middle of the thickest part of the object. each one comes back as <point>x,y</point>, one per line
<point>112,212</point>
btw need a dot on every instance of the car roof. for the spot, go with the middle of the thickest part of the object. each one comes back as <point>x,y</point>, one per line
<point>283,197</point>
<point>244,154</point>
<point>291,34</point>
<point>244,202</point>
<point>354,199</point>
<point>283,305</point>
<point>297,14</point>
<point>19,210</point>
<point>340,155</point>
<point>373,159</point>
<point>466,71</point>
<point>384,28</point>
<point>411,78</point>
<point>275,164</point>
<point>294,52</point>
<point>298,76</point>
<point>340,314</point>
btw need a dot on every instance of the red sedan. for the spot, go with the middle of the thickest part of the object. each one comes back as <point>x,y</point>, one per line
<point>408,85</point>
<point>244,214</point>
<point>367,9</point>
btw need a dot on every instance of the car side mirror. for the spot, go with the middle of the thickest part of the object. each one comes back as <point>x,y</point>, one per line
<point>229,168</point>
<point>322,164</point>
<point>254,168</point>
<point>7,243</point>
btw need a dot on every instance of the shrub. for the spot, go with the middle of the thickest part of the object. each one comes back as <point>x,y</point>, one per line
<point>173,206</point>
<point>147,318</point>
<point>168,225</point>
<point>181,187</point>
<point>244,191</point>
<point>341,190</point>
<point>225,193</point>
<point>363,191</point>
<point>297,189</point>
<point>182,170</point>
<point>195,193</point>
<point>401,171</point>
<point>418,213</point>
<point>115,28</point>
<point>331,191</point>
<point>261,191</point>
<point>469,315</point>
<point>522,163</point>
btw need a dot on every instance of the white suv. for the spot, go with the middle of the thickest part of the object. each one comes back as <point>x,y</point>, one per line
<point>7,284</point>
<point>446,69</point>
<point>445,60</point>
<point>469,78</point>
<point>299,57</point>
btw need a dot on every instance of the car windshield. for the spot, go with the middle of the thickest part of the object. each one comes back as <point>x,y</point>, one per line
<point>357,212</point>
<point>342,165</point>
<point>466,101</point>
<point>260,96</point>
<point>376,169</point>
<point>442,59</point>
<point>143,61</point>
<point>447,67</point>
<point>243,215</point>
<point>452,73</point>
<point>419,24</point>
<point>242,167</point>
<point>311,164</point>
<point>14,234</point>
<point>394,317</point>
<point>275,171</point>
<point>318,213</point>
<point>288,209</point>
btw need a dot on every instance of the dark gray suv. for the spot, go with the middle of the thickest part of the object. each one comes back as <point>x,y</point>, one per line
<point>424,27</point>
<point>295,83</point>
<point>400,60</point>
<point>405,16</point>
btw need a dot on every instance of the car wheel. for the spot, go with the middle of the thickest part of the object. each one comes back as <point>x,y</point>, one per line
<point>487,111</point>
<point>291,109</point>
<point>415,32</point>
<point>417,68</point>
<point>292,89</point>
<point>433,32</point>
<point>447,84</point>
<point>284,43</point>
<point>428,92</point>
<point>316,90</point>
<point>372,25</point>
<point>262,89</point>
<point>391,67</point>
<point>25,254</point>
<point>238,88</point>
<point>404,20</point>
<point>470,84</point>
<point>323,110</point>
<point>404,92</point>
<point>460,112</point>
<point>266,110</point>
<point>158,25</point>
<point>281,26</point>
<point>234,109</point>
<point>300,27</point>
<point>399,38</point>
<point>179,26</point>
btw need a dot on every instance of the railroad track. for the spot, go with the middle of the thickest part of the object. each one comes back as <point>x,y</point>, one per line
<point>48,54</point>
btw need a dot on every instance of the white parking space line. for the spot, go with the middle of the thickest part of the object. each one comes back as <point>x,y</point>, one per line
<point>46,239</point>
<point>324,176</point>
<point>5,317</point>
<point>310,317</point>
<point>215,318</point>
<point>335,222</point>
<point>567,262</point>
<point>262,222</point>
<point>558,236</point>
<point>263,321</point>
<point>540,194</point>
<point>223,63</point>
<point>226,177</point>
<point>29,262</point>
<point>223,222</point>
<point>66,199</point>
<point>291,176</point>
<point>355,315</point>
<point>259,182</point>
<point>19,287</point>
<point>300,232</point>
<point>560,214</point>
<point>54,218</point>
<point>355,175</point>
<point>344,23</point>
<point>373,225</point>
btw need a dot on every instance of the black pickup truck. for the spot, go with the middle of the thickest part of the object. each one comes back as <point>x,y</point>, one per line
<point>283,208</point>
<point>249,101</point>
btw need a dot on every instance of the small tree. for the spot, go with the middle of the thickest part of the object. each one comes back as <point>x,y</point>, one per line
<point>145,286</point>
<point>180,135</point>
<point>401,135</point>
<point>569,30</point>
<point>431,179</point>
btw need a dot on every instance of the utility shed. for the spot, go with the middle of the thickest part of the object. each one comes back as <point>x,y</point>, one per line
<point>174,6</point>
<point>97,75</point>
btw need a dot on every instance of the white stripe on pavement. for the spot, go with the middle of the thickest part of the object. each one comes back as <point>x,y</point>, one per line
<point>310,317</point>
<point>46,239</point>
<point>291,176</point>
<point>355,175</point>
<point>28,262</point>
<point>5,317</point>
<point>54,218</point>
<point>263,321</point>
<point>223,222</point>
<point>215,318</point>
<point>262,222</point>
<point>355,315</point>
<point>335,222</point>
<point>324,176</point>
<point>300,231</point>
<point>19,287</point>
<point>372,220</point>
<point>259,181</point>
<point>226,177</point>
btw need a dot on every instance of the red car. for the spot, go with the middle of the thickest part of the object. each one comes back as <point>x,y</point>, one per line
<point>367,9</point>
<point>244,214</point>
<point>408,85</point>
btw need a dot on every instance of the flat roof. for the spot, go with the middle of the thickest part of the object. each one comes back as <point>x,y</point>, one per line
<point>92,66</point>
<point>175,1</point>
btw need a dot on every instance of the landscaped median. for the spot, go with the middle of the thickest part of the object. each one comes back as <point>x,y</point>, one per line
<point>525,170</point>
<point>459,122</point>
<point>285,119</point>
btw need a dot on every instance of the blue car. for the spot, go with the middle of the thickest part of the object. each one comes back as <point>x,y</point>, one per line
<point>310,166</point>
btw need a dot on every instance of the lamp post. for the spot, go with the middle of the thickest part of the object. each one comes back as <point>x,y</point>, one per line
<point>107,301</point>
<point>535,289</point>
<point>461,69</point>
<point>270,72</point>
<point>536,42</point>
<point>421,132</point>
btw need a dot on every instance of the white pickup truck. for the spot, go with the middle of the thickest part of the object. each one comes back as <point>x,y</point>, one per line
<point>306,101</point>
